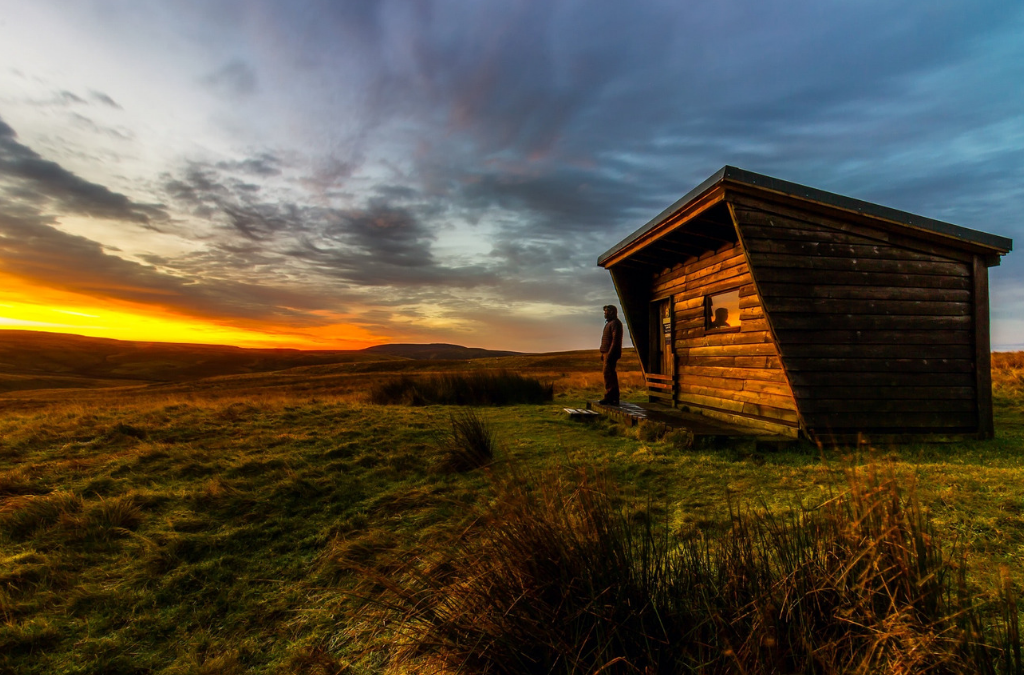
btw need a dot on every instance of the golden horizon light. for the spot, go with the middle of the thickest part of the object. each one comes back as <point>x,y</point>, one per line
<point>27,307</point>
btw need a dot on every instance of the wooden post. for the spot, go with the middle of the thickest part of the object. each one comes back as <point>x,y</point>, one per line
<point>982,349</point>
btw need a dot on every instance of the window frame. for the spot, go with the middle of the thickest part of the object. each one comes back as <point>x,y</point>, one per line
<point>724,329</point>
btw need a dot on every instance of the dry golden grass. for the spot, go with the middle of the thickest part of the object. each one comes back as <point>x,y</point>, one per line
<point>1008,374</point>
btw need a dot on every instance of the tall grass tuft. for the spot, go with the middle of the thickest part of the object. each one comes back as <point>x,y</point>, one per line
<point>558,579</point>
<point>471,444</point>
<point>114,516</point>
<point>482,388</point>
<point>22,515</point>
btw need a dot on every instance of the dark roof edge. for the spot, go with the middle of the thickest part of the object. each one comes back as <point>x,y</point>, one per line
<point>1001,245</point>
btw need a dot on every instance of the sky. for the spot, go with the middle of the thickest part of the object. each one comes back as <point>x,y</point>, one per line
<point>331,175</point>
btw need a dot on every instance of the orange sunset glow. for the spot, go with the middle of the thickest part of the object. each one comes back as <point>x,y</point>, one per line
<point>27,307</point>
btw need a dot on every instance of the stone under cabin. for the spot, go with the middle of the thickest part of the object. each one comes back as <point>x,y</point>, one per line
<point>793,312</point>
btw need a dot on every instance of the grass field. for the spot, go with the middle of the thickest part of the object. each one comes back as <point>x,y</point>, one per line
<point>213,526</point>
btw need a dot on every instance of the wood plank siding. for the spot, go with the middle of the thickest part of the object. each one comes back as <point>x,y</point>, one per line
<point>876,333</point>
<point>733,376</point>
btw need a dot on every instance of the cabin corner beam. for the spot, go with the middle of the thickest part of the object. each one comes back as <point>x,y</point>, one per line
<point>983,349</point>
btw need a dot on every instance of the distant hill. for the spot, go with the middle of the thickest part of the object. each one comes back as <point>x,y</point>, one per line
<point>437,351</point>
<point>37,360</point>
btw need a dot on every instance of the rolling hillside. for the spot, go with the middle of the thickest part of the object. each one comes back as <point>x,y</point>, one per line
<point>438,350</point>
<point>37,360</point>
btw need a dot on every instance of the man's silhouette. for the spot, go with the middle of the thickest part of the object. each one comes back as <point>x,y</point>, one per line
<point>611,350</point>
<point>721,318</point>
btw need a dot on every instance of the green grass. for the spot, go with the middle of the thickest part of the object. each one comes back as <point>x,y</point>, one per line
<point>214,528</point>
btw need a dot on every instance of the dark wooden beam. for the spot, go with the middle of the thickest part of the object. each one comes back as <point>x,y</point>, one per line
<point>983,349</point>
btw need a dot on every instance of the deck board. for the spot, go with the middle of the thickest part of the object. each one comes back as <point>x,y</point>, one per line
<point>700,425</point>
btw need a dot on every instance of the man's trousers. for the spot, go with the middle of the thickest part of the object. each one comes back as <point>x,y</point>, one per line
<point>611,379</point>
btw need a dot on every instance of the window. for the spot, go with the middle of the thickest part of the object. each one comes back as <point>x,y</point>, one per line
<point>722,311</point>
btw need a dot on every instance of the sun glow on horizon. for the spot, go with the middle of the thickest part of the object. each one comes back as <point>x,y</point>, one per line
<point>25,307</point>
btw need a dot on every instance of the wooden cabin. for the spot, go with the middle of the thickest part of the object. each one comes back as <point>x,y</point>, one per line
<point>794,311</point>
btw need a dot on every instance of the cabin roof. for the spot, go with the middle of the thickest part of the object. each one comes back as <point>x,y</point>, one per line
<point>953,234</point>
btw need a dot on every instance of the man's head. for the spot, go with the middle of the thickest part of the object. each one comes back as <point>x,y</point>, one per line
<point>610,312</point>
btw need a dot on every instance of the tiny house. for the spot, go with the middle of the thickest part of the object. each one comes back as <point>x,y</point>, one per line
<point>794,311</point>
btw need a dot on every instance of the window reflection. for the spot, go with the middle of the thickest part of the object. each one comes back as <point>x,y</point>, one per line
<point>722,310</point>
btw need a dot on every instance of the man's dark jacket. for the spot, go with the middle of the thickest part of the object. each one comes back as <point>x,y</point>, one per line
<point>611,339</point>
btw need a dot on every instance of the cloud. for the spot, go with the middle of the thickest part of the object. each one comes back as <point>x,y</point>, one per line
<point>105,99</point>
<point>378,244</point>
<point>67,98</point>
<point>383,245</point>
<point>110,132</point>
<point>35,250</point>
<point>35,193</point>
<point>235,79</point>
<point>263,165</point>
<point>28,178</point>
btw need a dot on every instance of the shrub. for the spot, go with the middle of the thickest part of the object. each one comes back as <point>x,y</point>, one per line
<point>484,388</point>
<point>471,443</point>
<point>559,580</point>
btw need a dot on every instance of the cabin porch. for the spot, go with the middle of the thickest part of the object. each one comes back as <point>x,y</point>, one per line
<point>705,430</point>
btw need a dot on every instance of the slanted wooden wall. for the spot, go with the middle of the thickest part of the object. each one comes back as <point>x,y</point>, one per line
<point>736,377</point>
<point>875,329</point>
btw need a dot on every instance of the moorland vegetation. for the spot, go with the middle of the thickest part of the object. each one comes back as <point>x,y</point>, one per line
<point>281,522</point>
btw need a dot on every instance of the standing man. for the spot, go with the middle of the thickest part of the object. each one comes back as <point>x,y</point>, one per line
<point>611,350</point>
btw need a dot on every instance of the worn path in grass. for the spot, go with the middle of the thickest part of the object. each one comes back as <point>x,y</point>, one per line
<point>215,529</point>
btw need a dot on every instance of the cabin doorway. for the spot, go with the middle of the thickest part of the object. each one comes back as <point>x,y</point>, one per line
<point>663,360</point>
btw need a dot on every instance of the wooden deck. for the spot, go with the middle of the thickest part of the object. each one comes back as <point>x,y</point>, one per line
<point>701,426</point>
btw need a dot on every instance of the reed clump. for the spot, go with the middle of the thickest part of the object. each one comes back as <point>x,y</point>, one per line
<point>470,444</point>
<point>21,516</point>
<point>558,578</point>
<point>474,388</point>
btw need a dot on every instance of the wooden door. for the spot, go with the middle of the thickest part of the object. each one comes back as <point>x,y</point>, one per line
<point>668,360</point>
<point>662,365</point>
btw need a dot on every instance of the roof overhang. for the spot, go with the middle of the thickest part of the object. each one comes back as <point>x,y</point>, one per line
<point>714,190</point>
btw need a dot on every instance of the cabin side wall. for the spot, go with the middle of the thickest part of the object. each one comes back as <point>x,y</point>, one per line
<point>876,333</point>
<point>733,376</point>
